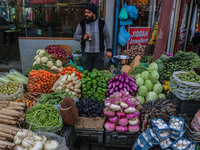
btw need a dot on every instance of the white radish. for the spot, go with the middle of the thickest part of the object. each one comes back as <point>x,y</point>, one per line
<point>44,139</point>
<point>37,137</point>
<point>51,145</point>
<point>22,134</point>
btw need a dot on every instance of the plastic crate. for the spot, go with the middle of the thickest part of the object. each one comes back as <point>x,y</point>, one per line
<point>189,107</point>
<point>191,135</point>
<point>117,139</point>
<point>90,136</point>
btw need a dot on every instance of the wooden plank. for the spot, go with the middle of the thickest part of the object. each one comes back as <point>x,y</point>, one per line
<point>163,29</point>
<point>45,38</point>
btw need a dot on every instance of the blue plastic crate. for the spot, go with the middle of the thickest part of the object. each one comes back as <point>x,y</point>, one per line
<point>181,138</point>
<point>160,130</point>
<point>159,135</point>
<point>152,136</point>
<point>168,139</point>
<point>138,146</point>
<point>145,141</point>
<point>180,119</point>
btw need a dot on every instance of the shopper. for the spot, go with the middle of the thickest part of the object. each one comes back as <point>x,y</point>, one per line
<point>91,33</point>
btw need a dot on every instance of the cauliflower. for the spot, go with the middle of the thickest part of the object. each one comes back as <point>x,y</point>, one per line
<point>34,63</point>
<point>38,51</point>
<point>44,59</point>
<point>41,52</point>
<point>49,64</point>
<point>59,63</point>
<point>38,60</point>
<point>54,67</point>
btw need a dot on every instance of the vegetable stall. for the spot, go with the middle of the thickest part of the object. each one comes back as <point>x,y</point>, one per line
<point>147,105</point>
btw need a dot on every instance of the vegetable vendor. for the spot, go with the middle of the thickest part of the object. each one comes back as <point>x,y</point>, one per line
<point>91,33</point>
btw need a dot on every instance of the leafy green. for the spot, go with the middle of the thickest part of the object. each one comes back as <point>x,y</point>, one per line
<point>151,96</point>
<point>139,81</point>
<point>152,67</point>
<point>37,67</point>
<point>146,59</point>
<point>157,88</point>
<point>154,76</point>
<point>137,70</point>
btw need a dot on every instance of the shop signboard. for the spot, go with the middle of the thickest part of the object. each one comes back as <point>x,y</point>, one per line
<point>138,35</point>
<point>182,37</point>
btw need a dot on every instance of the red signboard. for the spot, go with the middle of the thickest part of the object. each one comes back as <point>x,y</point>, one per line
<point>139,35</point>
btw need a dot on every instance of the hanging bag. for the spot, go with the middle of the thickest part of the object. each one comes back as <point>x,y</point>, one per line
<point>123,36</point>
<point>123,14</point>
<point>132,12</point>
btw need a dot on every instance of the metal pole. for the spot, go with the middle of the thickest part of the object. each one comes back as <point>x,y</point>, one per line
<point>188,24</point>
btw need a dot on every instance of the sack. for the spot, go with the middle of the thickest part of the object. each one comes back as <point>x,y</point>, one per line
<point>123,14</point>
<point>126,22</point>
<point>132,12</point>
<point>123,36</point>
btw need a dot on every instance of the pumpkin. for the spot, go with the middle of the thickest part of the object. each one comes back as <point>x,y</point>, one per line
<point>135,62</point>
<point>126,68</point>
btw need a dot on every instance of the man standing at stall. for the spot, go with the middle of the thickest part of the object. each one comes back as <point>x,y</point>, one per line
<point>91,33</point>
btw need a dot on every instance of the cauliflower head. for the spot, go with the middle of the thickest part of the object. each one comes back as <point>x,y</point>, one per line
<point>44,59</point>
<point>54,67</point>
<point>49,64</point>
<point>59,63</point>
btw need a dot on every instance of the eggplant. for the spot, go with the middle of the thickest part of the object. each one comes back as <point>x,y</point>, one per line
<point>117,83</point>
<point>110,85</point>
<point>128,88</point>
<point>122,80</point>
<point>111,91</point>
<point>120,77</point>
<point>116,77</point>
<point>125,89</point>
<point>132,84</point>
<point>121,90</point>
<point>126,78</point>
<point>120,85</point>
<point>113,84</point>
<point>116,89</point>
<point>134,88</point>
<point>124,84</point>
<point>131,79</point>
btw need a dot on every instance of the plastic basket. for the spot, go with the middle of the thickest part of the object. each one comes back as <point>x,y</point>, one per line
<point>118,139</point>
<point>189,107</point>
<point>139,146</point>
<point>77,59</point>
<point>182,89</point>
<point>168,139</point>
<point>175,136</point>
<point>191,135</point>
<point>160,135</point>
<point>13,97</point>
<point>152,136</point>
<point>159,130</point>
<point>90,136</point>
<point>181,138</point>
<point>177,118</point>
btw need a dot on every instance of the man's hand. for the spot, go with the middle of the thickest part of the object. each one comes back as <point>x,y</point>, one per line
<point>86,36</point>
<point>108,54</point>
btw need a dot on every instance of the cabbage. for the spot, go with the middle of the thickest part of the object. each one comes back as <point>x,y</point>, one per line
<point>154,76</point>
<point>148,84</point>
<point>137,76</point>
<point>145,75</point>
<point>142,91</point>
<point>152,67</point>
<point>161,95</point>
<point>157,88</point>
<point>140,98</point>
<point>139,82</point>
<point>151,96</point>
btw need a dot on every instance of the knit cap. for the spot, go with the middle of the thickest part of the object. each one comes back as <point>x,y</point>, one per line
<point>92,7</point>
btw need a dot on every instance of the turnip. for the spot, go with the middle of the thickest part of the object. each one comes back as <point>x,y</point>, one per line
<point>133,121</point>
<point>115,107</point>
<point>37,138</point>
<point>19,147</point>
<point>22,133</point>
<point>51,145</point>
<point>27,142</point>
<point>17,140</point>
<point>109,126</point>
<point>123,105</point>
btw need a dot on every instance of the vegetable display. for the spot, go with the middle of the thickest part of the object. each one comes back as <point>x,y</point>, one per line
<point>41,81</point>
<point>42,57</point>
<point>160,108</point>
<point>137,70</point>
<point>146,59</point>
<point>55,50</point>
<point>90,108</point>
<point>70,70</point>
<point>69,84</point>
<point>37,67</point>
<point>44,117</point>
<point>28,103</point>
<point>122,111</point>
<point>190,76</point>
<point>54,98</point>
<point>122,83</point>
<point>10,88</point>
<point>149,87</point>
<point>94,85</point>
<point>26,139</point>
<point>14,76</point>
<point>107,74</point>
<point>73,66</point>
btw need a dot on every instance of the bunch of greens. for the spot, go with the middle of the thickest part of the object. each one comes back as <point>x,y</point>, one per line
<point>37,67</point>
<point>94,85</point>
<point>146,59</point>
<point>137,70</point>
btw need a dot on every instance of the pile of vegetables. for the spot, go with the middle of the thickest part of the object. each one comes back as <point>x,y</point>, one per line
<point>137,70</point>
<point>159,108</point>
<point>107,74</point>
<point>146,59</point>
<point>69,84</point>
<point>54,98</point>
<point>26,139</point>
<point>134,51</point>
<point>122,111</point>
<point>90,108</point>
<point>73,66</point>
<point>14,76</point>
<point>11,115</point>
<point>41,81</point>
<point>37,67</point>
<point>70,70</point>
<point>33,96</point>
<point>190,76</point>
<point>166,85</point>
<point>149,86</point>
<point>42,57</point>
<point>10,88</point>
<point>44,117</point>
<point>27,102</point>
<point>122,83</point>
<point>57,51</point>
<point>78,52</point>
<point>94,85</point>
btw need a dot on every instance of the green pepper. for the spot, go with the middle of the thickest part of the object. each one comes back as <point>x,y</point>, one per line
<point>95,86</point>
<point>89,93</point>
<point>92,97</point>
<point>85,89</point>
<point>98,78</point>
<point>99,83</point>
<point>89,74</point>
<point>96,95</point>
<point>94,70</point>
<point>104,85</point>
<point>83,76</point>
<point>93,90</point>
<point>88,87</point>
<point>93,75</point>
<point>99,98</point>
<point>104,90</point>
<point>99,90</point>
<point>94,81</point>
<point>85,72</point>
<point>88,79</point>
<point>89,83</point>
<point>84,85</point>
<point>83,81</point>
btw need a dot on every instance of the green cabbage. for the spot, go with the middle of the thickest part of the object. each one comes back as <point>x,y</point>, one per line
<point>161,95</point>
<point>151,96</point>
<point>137,76</point>
<point>140,98</point>
<point>152,67</point>
<point>145,75</point>
<point>139,82</point>
<point>148,84</point>
<point>154,76</point>
<point>142,91</point>
<point>157,88</point>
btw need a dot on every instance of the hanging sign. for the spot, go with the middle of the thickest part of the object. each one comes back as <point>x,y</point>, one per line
<point>139,35</point>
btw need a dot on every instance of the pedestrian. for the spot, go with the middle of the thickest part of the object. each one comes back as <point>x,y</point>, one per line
<point>91,33</point>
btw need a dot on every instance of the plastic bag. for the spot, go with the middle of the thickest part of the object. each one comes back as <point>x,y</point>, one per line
<point>59,139</point>
<point>196,122</point>
<point>126,22</point>
<point>123,36</point>
<point>132,12</point>
<point>123,13</point>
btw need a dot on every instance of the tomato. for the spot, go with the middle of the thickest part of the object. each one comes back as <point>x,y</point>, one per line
<point>74,69</point>
<point>69,68</point>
